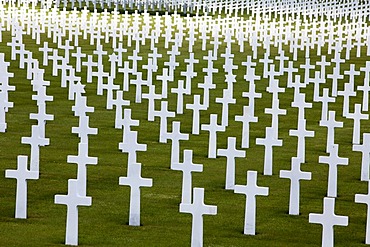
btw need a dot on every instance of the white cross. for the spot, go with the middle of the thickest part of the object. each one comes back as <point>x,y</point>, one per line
<point>325,99</point>
<point>135,181</point>
<point>269,141</point>
<point>333,160</point>
<point>139,82</point>
<point>365,198</point>
<point>126,124</point>
<point>45,50</point>
<point>295,175</point>
<point>83,129</point>
<point>163,114</point>
<point>176,136</point>
<point>251,190</point>
<point>301,133</point>
<point>89,64</point>
<point>227,98</point>
<point>126,75</point>
<point>180,91</point>
<point>187,167</point>
<point>213,128</point>
<point>110,86</point>
<point>366,87</point>
<point>365,150</point>
<point>230,153</point>
<point>197,208</point>
<point>196,107</point>
<point>72,201</point>
<point>246,118</point>
<point>265,62</point>
<point>357,116</point>
<point>119,102</point>
<point>22,174</point>
<point>331,124</point>
<point>165,78</point>
<point>275,111</point>
<point>80,108</point>
<point>35,141</point>
<point>82,159</point>
<point>131,146</point>
<point>328,219</point>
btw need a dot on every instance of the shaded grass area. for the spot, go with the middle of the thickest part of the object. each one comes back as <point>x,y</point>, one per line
<point>105,223</point>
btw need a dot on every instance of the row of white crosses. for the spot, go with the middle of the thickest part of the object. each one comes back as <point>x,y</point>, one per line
<point>133,179</point>
<point>4,90</point>
<point>213,127</point>
<point>77,194</point>
<point>28,168</point>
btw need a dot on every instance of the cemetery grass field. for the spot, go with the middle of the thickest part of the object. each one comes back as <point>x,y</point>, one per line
<point>105,223</point>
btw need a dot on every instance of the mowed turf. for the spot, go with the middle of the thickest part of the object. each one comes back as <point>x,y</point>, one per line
<point>105,223</point>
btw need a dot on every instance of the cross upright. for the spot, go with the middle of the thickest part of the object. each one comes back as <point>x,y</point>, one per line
<point>22,174</point>
<point>365,150</point>
<point>120,50</point>
<point>230,153</point>
<point>99,52</point>
<point>196,107</point>
<point>164,78</point>
<point>323,63</point>
<point>325,100</point>
<point>80,108</point>
<point>317,81</point>
<point>35,141</point>
<point>82,159</point>
<point>176,136</point>
<point>83,130</point>
<point>207,86</point>
<point>163,114</point>
<point>181,90</point>
<point>301,104</point>
<point>113,59</point>
<point>131,146</point>
<point>135,181</point>
<point>266,61</point>
<point>213,128</point>
<point>357,116</point>
<point>328,219</point>
<point>89,64</point>
<point>72,200</point>
<point>290,70</point>
<point>251,190</point>
<point>110,87</point>
<point>126,70</point>
<point>269,141</point>
<point>187,167</point>
<point>126,122</point>
<point>366,87</point>
<point>119,102</point>
<point>333,160</point>
<point>246,118</point>
<point>295,175</point>
<point>78,55</point>
<point>45,50</point>
<point>139,82</point>
<point>227,98</point>
<point>352,72</point>
<point>251,95</point>
<point>331,124</point>
<point>197,208</point>
<point>275,111</point>
<point>301,133</point>
<point>365,198</point>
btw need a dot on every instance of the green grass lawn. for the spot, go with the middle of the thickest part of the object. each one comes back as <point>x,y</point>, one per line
<point>105,223</point>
